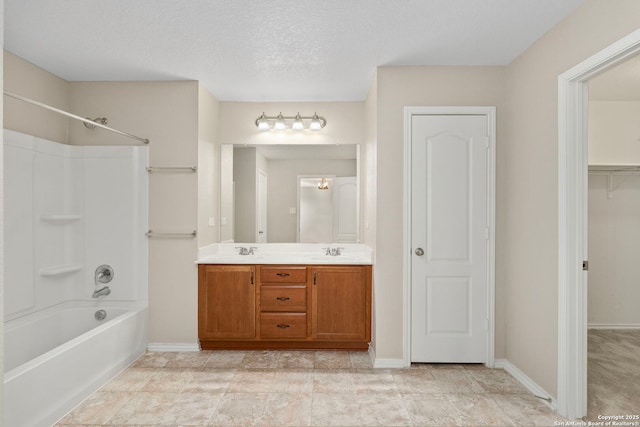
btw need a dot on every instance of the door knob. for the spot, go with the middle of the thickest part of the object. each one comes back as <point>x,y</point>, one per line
<point>419,251</point>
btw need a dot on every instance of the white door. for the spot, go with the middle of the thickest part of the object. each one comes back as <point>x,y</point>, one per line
<point>261,214</point>
<point>345,210</point>
<point>449,221</point>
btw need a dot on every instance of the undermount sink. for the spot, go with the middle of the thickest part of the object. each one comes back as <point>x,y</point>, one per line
<point>334,258</point>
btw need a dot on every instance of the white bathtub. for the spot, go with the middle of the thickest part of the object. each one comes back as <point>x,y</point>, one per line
<point>56,357</point>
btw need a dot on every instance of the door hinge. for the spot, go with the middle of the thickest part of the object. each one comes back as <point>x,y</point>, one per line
<point>585,265</point>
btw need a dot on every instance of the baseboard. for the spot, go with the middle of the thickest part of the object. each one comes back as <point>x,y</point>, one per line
<point>613,326</point>
<point>172,347</point>
<point>529,384</point>
<point>384,363</point>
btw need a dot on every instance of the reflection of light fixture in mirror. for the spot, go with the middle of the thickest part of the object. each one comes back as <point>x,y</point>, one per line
<point>298,122</point>
<point>323,184</point>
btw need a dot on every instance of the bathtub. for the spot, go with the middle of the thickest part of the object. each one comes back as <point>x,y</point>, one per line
<point>56,357</point>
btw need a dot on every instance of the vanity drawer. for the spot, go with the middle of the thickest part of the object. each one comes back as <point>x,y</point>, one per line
<point>276,325</point>
<point>283,298</point>
<point>283,274</point>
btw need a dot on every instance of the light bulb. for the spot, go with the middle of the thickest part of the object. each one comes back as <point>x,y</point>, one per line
<point>297,124</point>
<point>315,123</point>
<point>280,123</point>
<point>262,122</point>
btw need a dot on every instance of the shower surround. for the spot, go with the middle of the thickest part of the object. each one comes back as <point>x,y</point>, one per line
<point>68,210</point>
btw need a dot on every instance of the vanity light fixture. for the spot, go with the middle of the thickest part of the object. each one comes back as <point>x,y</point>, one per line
<point>323,184</point>
<point>296,122</point>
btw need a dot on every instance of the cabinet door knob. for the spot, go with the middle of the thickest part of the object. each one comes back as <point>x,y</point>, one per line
<point>282,326</point>
<point>283,298</point>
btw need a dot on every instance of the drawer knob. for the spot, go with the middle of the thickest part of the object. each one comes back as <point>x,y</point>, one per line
<point>283,298</point>
<point>282,326</point>
<point>283,274</point>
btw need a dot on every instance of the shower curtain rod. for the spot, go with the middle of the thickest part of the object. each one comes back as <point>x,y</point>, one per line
<point>73,116</point>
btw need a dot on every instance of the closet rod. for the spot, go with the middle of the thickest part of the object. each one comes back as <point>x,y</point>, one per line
<point>73,116</point>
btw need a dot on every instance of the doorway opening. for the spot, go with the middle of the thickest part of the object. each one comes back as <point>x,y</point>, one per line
<point>572,221</point>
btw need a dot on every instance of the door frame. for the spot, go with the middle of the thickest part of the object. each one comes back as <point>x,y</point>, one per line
<point>572,221</point>
<point>490,113</point>
<point>260,207</point>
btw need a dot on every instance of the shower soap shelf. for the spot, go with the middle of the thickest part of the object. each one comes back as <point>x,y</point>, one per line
<point>61,218</point>
<point>60,270</point>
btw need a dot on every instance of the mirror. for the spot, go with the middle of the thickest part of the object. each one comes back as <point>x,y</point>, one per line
<point>265,189</point>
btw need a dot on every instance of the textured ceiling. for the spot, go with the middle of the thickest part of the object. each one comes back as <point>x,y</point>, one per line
<point>276,50</point>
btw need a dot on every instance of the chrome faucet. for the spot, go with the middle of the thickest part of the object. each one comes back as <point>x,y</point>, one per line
<point>333,251</point>
<point>104,291</point>
<point>246,251</point>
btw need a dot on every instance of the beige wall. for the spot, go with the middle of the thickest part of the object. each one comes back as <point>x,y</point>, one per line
<point>167,114</point>
<point>531,257</point>
<point>368,184</point>
<point>368,162</point>
<point>614,233</point>
<point>425,86</point>
<point>614,130</point>
<point>24,78</point>
<point>208,166</point>
<point>614,245</point>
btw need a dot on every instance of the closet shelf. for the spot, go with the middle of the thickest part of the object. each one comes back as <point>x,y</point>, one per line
<point>60,270</point>
<point>614,168</point>
<point>61,218</point>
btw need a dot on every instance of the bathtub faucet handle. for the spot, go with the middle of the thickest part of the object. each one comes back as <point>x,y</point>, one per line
<point>102,292</point>
<point>104,274</point>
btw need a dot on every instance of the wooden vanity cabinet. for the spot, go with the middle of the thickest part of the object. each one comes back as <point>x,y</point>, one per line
<point>284,306</point>
<point>341,303</point>
<point>283,302</point>
<point>226,302</point>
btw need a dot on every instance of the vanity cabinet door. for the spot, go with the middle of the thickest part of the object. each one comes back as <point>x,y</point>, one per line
<point>341,303</point>
<point>226,302</point>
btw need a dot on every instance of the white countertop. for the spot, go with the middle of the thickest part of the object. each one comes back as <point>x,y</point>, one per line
<point>286,253</point>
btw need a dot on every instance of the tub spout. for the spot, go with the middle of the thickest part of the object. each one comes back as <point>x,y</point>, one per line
<point>104,291</point>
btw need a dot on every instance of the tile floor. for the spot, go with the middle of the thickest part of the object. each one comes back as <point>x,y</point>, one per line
<point>305,388</point>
